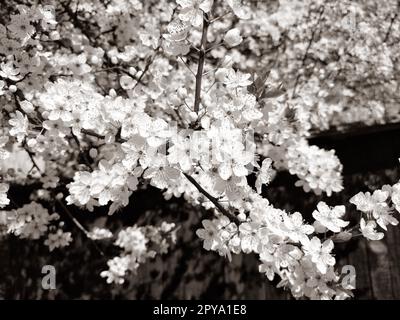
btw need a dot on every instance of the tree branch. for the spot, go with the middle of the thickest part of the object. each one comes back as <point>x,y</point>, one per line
<point>81,151</point>
<point>212,199</point>
<point>310,42</point>
<point>394,17</point>
<point>149,62</point>
<point>200,66</point>
<point>79,225</point>
<point>93,134</point>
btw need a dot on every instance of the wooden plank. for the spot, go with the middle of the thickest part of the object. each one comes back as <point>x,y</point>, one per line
<point>364,150</point>
<point>379,269</point>
<point>358,257</point>
<point>393,242</point>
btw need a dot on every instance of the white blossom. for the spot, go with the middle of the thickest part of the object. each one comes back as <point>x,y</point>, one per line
<point>368,229</point>
<point>330,217</point>
<point>192,10</point>
<point>19,126</point>
<point>320,253</point>
<point>232,38</point>
<point>4,201</point>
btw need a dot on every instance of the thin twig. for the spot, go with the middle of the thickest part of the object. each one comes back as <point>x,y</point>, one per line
<point>212,199</point>
<point>116,68</point>
<point>220,17</point>
<point>214,46</point>
<point>200,66</point>
<point>93,134</point>
<point>146,68</point>
<point>81,151</point>
<point>79,225</point>
<point>394,17</point>
<point>310,42</point>
<point>187,66</point>
<point>31,157</point>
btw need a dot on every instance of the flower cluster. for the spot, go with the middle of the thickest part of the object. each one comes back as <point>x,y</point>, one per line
<point>4,201</point>
<point>377,209</point>
<point>330,74</point>
<point>33,221</point>
<point>20,46</point>
<point>287,246</point>
<point>292,249</point>
<point>138,244</point>
<point>97,188</point>
<point>319,170</point>
<point>58,239</point>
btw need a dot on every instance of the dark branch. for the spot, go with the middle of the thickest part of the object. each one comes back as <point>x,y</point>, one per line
<point>212,199</point>
<point>200,66</point>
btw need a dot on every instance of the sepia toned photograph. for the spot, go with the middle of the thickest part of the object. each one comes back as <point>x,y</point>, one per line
<point>199,150</point>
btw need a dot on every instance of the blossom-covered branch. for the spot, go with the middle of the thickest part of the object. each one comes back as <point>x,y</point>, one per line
<point>200,64</point>
<point>100,101</point>
<point>212,199</point>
